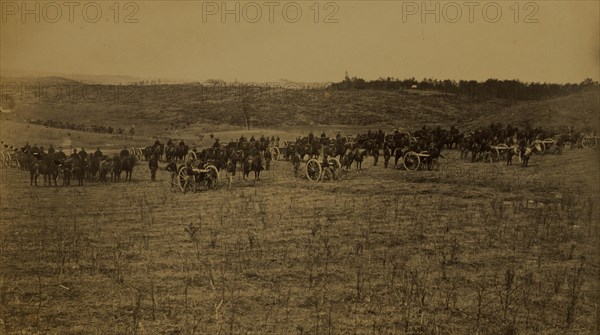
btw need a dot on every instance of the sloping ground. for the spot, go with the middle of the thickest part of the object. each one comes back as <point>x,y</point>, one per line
<point>164,109</point>
<point>580,110</point>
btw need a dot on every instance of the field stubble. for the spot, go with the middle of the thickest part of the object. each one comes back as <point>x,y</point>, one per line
<point>470,248</point>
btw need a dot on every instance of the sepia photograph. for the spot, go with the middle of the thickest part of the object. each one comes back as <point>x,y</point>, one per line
<point>303,167</point>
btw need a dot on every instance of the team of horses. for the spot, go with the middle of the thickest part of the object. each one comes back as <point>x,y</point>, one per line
<point>55,166</point>
<point>254,155</point>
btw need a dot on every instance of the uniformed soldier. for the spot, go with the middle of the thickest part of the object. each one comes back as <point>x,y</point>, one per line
<point>82,154</point>
<point>230,165</point>
<point>268,158</point>
<point>327,169</point>
<point>98,153</point>
<point>153,165</point>
<point>172,168</point>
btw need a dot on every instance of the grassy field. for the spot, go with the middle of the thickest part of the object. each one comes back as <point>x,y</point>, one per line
<point>469,249</point>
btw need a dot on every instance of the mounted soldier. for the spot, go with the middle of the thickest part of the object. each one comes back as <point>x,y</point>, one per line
<point>82,154</point>
<point>98,153</point>
<point>124,153</point>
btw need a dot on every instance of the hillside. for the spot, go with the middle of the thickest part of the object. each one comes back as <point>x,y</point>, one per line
<point>161,109</point>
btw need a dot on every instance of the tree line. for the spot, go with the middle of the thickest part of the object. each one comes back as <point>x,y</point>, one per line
<point>515,90</point>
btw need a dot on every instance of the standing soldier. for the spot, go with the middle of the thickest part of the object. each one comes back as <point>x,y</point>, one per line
<point>296,163</point>
<point>268,158</point>
<point>375,154</point>
<point>98,153</point>
<point>153,165</point>
<point>230,170</point>
<point>387,153</point>
<point>172,168</point>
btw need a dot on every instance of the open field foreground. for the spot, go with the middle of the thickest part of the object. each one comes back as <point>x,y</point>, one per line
<point>478,248</point>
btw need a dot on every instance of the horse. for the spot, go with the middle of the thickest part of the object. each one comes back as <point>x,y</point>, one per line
<point>475,151</point>
<point>347,159</point>
<point>127,164</point>
<point>435,152</point>
<point>182,151</point>
<point>252,163</point>
<point>170,152</point>
<point>65,167</point>
<point>31,164</point>
<point>512,151</point>
<point>78,170</point>
<point>48,169</point>
<point>106,166</point>
<point>464,147</point>
<point>148,152</point>
<point>159,150</point>
<point>93,166</point>
<point>115,174</point>
<point>359,155</point>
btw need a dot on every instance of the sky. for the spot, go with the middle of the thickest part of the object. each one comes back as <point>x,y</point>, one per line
<point>541,41</point>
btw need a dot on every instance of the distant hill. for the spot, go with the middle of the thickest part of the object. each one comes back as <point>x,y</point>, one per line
<point>11,75</point>
<point>164,107</point>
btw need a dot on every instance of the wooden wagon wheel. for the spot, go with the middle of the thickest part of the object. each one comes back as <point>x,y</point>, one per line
<point>9,158</point>
<point>588,142</point>
<point>275,153</point>
<point>184,181</point>
<point>495,155</point>
<point>502,149</point>
<point>60,176</point>
<point>139,153</point>
<point>538,147</point>
<point>212,179</point>
<point>191,156</point>
<point>335,163</point>
<point>411,161</point>
<point>550,143</point>
<point>313,170</point>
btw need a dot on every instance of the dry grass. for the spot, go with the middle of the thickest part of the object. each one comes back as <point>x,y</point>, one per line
<point>471,248</point>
